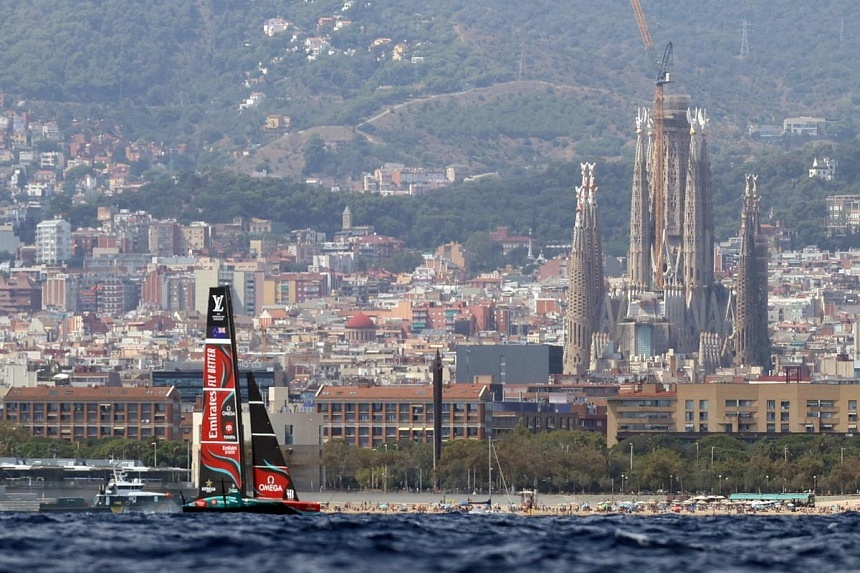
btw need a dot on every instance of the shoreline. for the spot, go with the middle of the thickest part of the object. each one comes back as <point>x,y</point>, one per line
<point>385,503</point>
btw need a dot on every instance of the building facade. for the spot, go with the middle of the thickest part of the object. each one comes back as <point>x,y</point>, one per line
<point>76,414</point>
<point>53,242</point>
<point>746,410</point>
<point>368,417</point>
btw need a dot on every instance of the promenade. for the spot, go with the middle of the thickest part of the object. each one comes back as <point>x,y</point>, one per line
<point>553,504</point>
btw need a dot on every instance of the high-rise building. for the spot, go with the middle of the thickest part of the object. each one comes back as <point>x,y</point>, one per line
<point>53,242</point>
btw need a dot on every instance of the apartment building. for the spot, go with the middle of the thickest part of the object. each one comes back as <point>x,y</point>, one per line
<point>76,414</point>
<point>53,242</point>
<point>744,409</point>
<point>371,416</point>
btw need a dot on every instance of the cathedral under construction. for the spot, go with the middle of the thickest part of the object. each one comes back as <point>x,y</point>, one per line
<point>669,304</point>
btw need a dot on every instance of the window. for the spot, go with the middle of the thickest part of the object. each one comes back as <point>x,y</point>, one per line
<point>703,404</point>
<point>771,404</point>
<point>852,405</point>
<point>688,404</point>
<point>784,405</point>
<point>731,403</point>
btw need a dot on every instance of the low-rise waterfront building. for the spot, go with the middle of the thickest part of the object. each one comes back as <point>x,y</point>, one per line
<point>77,414</point>
<point>371,416</point>
<point>767,406</point>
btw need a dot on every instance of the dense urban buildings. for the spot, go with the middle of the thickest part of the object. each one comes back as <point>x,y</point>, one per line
<point>561,343</point>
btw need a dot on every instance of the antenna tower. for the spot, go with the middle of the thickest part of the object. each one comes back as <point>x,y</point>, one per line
<point>745,45</point>
<point>841,31</point>
<point>522,57</point>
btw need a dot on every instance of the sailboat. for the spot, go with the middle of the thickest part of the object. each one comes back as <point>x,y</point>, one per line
<point>485,507</point>
<point>223,471</point>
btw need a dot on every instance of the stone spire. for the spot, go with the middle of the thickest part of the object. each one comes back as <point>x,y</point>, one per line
<point>751,339</point>
<point>585,277</point>
<point>698,235</point>
<point>639,253</point>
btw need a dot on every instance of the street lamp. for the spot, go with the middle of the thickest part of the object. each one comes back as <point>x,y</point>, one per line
<point>712,457</point>
<point>720,483</point>
<point>623,477</point>
<point>155,454</point>
<point>697,454</point>
<point>767,486</point>
<point>631,456</point>
<point>841,455</point>
<point>671,484</point>
<point>814,484</point>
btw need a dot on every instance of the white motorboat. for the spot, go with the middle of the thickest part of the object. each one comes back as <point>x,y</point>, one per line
<point>122,494</point>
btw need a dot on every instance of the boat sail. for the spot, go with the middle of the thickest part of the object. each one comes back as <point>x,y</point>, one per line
<point>222,465</point>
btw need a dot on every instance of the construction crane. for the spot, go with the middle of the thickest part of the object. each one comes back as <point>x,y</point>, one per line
<point>658,158</point>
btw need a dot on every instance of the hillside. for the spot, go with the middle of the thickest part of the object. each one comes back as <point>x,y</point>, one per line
<point>178,70</point>
<point>509,87</point>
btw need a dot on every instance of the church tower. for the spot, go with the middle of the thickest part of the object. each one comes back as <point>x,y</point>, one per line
<point>346,219</point>
<point>641,225</point>
<point>671,299</point>
<point>585,277</point>
<point>751,338</point>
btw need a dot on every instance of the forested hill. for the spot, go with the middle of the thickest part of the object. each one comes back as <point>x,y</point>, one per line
<point>503,86</point>
<point>540,201</point>
<point>178,69</point>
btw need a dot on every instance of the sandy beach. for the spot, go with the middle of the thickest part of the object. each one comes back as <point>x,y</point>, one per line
<point>554,504</point>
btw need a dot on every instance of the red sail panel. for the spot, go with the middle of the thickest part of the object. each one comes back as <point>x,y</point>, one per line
<point>220,440</point>
<point>273,483</point>
<point>270,473</point>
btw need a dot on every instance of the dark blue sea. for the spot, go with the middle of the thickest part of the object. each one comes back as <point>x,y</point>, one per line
<point>415,543</point>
